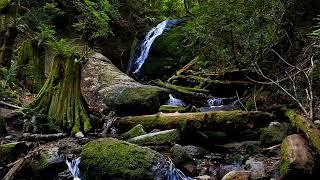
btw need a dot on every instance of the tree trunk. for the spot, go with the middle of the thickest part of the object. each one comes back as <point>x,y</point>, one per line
<point>61,97</point>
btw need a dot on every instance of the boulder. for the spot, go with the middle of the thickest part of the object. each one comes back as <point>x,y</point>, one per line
<point>11,152</point>
<point>296,159</point>
<point>237,175</point>
<point>106,88</point>
<point>134,132</point>
<point>182,159</point>
<point>110,158</point>
<point>158,138</point>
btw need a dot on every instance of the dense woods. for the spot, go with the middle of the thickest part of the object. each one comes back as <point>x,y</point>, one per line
<point>159,89</point>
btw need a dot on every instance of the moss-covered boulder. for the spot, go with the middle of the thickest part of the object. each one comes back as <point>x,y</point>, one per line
<point>114,159</point>
<point>106,88</point>
<point>4,4</point>
<point>273,134</point>
<point>134,132</point>
<point>11,152</point>
<point>158,138</point>
<point>296,159</point>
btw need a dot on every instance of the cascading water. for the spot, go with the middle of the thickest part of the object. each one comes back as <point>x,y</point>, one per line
<point>148,41</point>
<point>73,167</point>
<point>174,101</point>
<point>215,102</point>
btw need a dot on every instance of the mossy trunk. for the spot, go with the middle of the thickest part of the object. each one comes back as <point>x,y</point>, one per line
<point>31,65</point>
<point>61,97</point>
<point>229,121</point>
<point>8,32</point>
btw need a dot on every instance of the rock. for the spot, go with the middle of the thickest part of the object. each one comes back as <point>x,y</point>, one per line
<point>48,164</point>
<point>296,159</point>
<point>134,132</point>
<point>111,158</point>
<point>158,138</point>
<point>79,135</point>
<point>180,156</point>
<point>106,88</point>
<point>195,151</point>
<point>257,168</point>
<point>11,152</point>
<point>273,134</point>
<point>3,129</point>
<point>237,175</point>
<point>317,123</point>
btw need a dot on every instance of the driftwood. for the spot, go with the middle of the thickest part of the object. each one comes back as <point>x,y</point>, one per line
<point>42,137</point>
<point>216,120</point>
<point>20,163</point>
<point>307,127</point>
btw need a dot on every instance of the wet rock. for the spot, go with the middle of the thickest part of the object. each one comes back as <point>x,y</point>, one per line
<point>195,151</point>
<point>134,132</point>
<point>237,175</point>
<point>296,159</point>
<point>111,158</point>
<point>158,138</point>
<point>257,168</point>
<point>79,135</point>
<point>273,134</point>
<point>107,88</point>
<point>180,156</point>
<point>11,152</point>
<point>48,164</point>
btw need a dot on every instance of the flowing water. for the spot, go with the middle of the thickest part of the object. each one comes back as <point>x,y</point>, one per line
<point>214,102</point>
<point>174,101</point>
<point>148,41</point>
<point>73,167</point>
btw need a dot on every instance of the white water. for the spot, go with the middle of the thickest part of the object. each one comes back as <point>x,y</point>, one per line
<point>148,41</point>
<point>215,102</point>
<point>174,101</point>
<point>73,167</point>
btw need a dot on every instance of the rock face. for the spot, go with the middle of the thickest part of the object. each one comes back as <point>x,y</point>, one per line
<point>106,88</point>
<point>296,159</point>
<point>110,158</point>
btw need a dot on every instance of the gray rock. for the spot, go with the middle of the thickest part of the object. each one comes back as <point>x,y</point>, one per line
<point>257,168</point>
<point>195,150</point>
<point>79,135</point>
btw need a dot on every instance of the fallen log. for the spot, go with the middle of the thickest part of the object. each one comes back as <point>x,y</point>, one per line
<point>229,121</point>
<point>42,137</point>
<point>306,126</point>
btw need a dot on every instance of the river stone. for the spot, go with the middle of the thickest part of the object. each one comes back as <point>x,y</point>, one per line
<point>106,88</point>
<point>158,138</point>
<point>134,132</point>
<point>257,168</point>
<point>296,159</point>
<point>237,175</point>
<point>111,158</point>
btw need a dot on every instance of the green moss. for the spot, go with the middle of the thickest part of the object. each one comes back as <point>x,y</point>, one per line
<point>134,132</point>
<point>180,156</point>
<point>7,153</point>
<point>284,162</point>
<point>105,158</point>
<point>4,4</point>
<point>162,137</point>
<point>272,135</point>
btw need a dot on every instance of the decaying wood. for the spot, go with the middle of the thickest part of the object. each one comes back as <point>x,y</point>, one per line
<point>20,163</point>
<point>215,120</point>
<point>42,137</point>
<point>307,127</point>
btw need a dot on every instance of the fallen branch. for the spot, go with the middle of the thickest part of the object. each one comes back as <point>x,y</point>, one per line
<point>42,137</point>
<point>10,106</point>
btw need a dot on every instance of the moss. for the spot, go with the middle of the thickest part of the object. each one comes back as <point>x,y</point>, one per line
<point>162,137</point>
<point>171,109</point>
<point>4,4</point>
<point>7,153</point>
<point>272,135</point>
<point>285,163</point>
<point>134,132</point>
<point>105,158</point>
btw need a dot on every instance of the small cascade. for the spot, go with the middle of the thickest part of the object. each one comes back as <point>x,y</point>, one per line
<point>215,102</point>
<point>73,167</point>
<point>174,101</point>
<point>175,174</point>
<point>148,41</point>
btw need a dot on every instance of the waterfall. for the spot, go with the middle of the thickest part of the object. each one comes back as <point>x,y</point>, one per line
<point>73,167</point>
<point>214,102</point>
<point>148,41</point>
<point>174,101</point>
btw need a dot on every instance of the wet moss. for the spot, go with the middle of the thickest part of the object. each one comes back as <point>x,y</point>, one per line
<point>105,158</point>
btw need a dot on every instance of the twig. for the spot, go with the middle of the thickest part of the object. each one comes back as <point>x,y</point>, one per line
<point>241,102</point>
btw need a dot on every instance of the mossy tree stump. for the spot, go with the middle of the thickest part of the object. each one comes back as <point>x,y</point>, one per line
<point>60,97</point>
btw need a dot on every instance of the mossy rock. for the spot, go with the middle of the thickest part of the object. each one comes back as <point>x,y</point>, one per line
<point>110,158</point>
<point>11,152</point>
<point>136,100</point>
<point>134,132</point>
<point>4,4</point>
<point>180,156</point>
<point>273,134</point>
<point>163,137</point>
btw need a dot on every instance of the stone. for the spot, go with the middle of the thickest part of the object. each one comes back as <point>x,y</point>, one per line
<point>107,88</point>
<point>111,158</point>
<point>180,156</point>
<point>257,168</point>
<point>158,138</point>
<point>79,135</point>
<point>237,175</point>
<point>134,132</point>
<point>296,159</point>
<point>195,151</point>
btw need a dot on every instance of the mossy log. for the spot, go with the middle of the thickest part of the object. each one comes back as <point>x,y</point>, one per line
<point>31,67</point>
<point>306,126</point>
<point>61,98</point>
<point>229,121</point>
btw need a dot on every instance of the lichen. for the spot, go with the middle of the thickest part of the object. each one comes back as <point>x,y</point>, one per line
<point>105,158</point>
